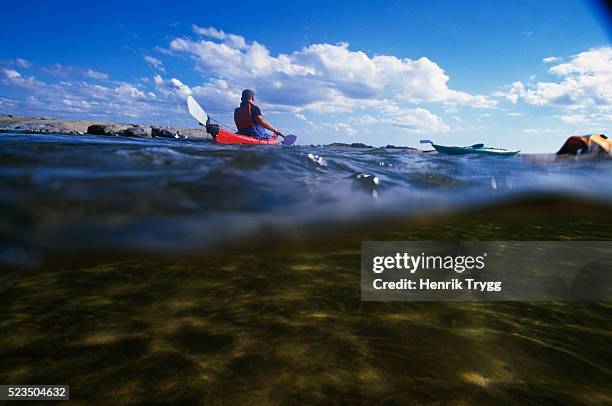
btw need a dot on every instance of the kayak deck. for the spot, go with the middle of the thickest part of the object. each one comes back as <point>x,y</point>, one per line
<point>227,137</point>
<point>469,150</point>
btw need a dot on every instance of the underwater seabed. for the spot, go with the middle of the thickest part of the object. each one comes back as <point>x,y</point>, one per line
<point>287,325</point>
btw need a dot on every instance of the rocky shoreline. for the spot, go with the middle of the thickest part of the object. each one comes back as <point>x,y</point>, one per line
<point>46,125</point>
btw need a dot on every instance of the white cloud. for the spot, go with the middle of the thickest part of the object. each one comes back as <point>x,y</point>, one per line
<point>365,119</point>
<point>364,92</point>
<point>172,87</point>
<point>554,131</point>
<point>22,63</point>
<point>236,41</point>
<point>574,118</point>
<point>58,70</point>
<point>125,89</point>
<point>154,63</point>
<point>209,32</point>
<point>585,83</point>
<point>417,120</point>
<point>79,98</point>
<point>517,89</point>
<point>320,77</point>
<point>450,108</point>
<point>514,114</point>
<point>12,77</point>
<point>583,89</point>
<point>216,96</point>
<point>6,103</point>
<point>17,62</point>
<point>407,120</point>
<point>344,128</point>
<point>95,74</point>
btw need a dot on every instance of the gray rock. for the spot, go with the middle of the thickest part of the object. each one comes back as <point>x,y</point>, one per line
<point>105,129</point>
<point>137,131</point>
<point>99,129</point>
<point>36,128</point>
<point>163,132</point>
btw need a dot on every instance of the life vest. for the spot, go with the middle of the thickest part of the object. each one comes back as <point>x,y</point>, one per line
<point>586,143</point>
<point>602,141</point>
<point>242,117</point>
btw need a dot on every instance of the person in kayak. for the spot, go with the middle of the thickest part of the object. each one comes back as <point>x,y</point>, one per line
<point>249,120</point>
<point>597,144</point>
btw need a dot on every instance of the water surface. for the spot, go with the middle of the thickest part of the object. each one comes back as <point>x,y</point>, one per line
<point>187,272</point>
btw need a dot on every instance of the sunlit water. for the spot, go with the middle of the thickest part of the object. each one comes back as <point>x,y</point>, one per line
<point>184,271</point>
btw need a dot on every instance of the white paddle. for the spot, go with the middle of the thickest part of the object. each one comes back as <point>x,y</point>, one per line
<point>196,111</point>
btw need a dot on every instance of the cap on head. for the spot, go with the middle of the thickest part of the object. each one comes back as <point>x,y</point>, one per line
<point>247,95</point>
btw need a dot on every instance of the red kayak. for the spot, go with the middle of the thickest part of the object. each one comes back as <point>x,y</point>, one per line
<point>226,137</point>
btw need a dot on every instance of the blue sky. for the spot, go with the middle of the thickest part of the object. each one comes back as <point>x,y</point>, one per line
<point>518,74</point>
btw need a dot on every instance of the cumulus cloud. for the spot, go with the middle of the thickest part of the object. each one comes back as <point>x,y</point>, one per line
<point>22,63</point>
<point>539,131</point>
<point>58,70</point>
<point>172,87</point>
<point>551,59</point>
<point>17,62</point>
<point>368,91</point>
<point>209,32</point>
<point>125,89</point>
<point>154,62</point>
<point>516,90</point>
<point>90,73</point>
<point>12,77</point>
<point>233,40</point>
<point>344,128</point>
<point>415,120</point>
<point>585,82</point>
<point>320,77</point>
<point>574,118</point>
<point>7,104</point>
<point>81,98</point>
<point>402,119</point>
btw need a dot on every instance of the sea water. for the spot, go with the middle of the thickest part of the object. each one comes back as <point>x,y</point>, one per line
<point>185,271</point>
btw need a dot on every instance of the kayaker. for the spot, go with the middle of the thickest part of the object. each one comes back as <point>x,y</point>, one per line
<point>249,120</point>
<point>583,144</point>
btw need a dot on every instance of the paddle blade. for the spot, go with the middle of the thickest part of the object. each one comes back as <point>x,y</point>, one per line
<point>196,111</point>
<point>426,142</point>
<point>289,139</point>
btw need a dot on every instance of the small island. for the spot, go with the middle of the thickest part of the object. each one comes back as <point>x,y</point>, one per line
<point>47,125</point>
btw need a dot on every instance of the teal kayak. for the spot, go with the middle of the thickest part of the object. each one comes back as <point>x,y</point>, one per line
<point>473,149</point>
